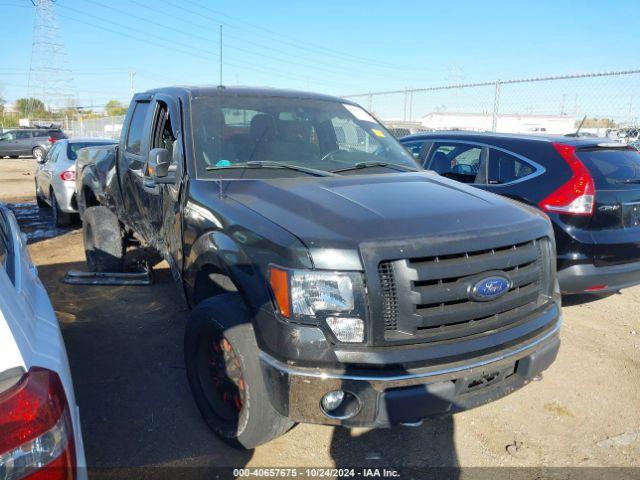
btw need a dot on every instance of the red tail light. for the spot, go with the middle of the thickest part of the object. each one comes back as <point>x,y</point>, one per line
<point>68,176</point>
<point>577,196</point>
<point>36,435</point>
<point>52,140</point>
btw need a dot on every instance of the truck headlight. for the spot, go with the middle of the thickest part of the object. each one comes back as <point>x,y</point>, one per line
<point>310,296</point>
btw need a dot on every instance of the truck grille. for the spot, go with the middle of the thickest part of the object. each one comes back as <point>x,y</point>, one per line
<point>428,298</point>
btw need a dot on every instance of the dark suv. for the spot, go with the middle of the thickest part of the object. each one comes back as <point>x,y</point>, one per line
<point>28,141</point>
<point>589,187</point>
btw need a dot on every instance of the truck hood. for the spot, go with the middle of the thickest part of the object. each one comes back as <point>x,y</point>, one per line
<point>344,212</point>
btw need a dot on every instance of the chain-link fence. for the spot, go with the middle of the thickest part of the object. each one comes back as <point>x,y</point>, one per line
<point>610,101</point>
<point>97,127</point>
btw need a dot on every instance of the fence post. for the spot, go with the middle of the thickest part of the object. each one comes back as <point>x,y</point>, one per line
<point>496,107</point>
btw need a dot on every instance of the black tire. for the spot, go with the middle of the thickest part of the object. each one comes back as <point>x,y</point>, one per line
<point>13,156</point>
<point>38,153</point>
<point>103,245</point>
<point>60,219</point>
<point>222,321</point>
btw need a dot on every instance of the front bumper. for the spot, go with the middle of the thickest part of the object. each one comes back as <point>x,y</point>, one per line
<point>385,399</point>
<point>579,278</point>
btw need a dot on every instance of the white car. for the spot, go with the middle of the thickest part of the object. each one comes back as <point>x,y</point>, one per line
<point>39,418</point>
<point>56,177</point>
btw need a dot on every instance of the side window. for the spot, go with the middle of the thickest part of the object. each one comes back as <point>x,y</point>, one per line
<point>505,168</point>
<point>8,136</point>
<point>52,156</point>
<point>163,136</point>
<point>459,161</point>
<point>136,128</point>
<point>23,135</point>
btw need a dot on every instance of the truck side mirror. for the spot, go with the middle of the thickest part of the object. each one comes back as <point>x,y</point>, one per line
<point>158,166</point>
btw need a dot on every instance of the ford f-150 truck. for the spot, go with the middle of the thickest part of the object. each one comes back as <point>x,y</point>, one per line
<point>331,279</point>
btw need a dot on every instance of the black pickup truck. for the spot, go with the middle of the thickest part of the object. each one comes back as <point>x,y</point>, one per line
<point>331,279</point>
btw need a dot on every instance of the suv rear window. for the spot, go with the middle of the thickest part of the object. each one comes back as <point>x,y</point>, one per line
<point>57,134</point>
<point>614,166</point>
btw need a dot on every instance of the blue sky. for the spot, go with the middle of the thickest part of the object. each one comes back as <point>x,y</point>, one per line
<point>333,46</point>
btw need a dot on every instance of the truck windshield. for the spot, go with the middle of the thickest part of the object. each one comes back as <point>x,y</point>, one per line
<point>230,132</point>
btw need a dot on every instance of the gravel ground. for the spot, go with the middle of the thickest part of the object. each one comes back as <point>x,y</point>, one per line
<point>125,349</point>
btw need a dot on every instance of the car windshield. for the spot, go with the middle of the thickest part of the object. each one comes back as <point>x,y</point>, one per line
<point>73,147</point>
<point>232,134</point>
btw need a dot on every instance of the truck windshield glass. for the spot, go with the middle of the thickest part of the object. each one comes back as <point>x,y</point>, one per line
<point>231,131</point>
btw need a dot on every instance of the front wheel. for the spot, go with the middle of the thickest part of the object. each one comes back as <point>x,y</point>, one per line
<point>223,369</point>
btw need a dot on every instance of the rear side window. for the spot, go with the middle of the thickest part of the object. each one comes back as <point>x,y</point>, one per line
<point>23,135</point>
<point>136,128</point>
<point>612,167</point>
<point>506,168</point>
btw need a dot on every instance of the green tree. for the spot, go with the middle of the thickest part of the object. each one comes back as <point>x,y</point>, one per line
<point>29,106</point>
<point>114,107</point>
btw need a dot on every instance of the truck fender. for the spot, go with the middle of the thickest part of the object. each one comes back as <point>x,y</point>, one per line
<point>218,264</point>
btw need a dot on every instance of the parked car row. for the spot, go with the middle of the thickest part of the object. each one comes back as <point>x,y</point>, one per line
<point>589,188</point>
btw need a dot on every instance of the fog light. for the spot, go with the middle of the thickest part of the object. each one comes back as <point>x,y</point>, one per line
<point>332,400</point>
<point>346,329</point>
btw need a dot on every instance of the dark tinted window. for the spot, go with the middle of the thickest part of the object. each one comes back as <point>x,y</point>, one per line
<point>57,134</point>
<point>612,166</point>
<point>505,168</point>
<point>72,148</point>
<point>136,128</point>
<point>21,135</point>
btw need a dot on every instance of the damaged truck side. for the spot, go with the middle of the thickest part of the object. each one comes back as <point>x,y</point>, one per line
<point>330,279</point>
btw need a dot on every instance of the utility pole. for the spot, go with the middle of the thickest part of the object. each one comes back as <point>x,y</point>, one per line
<point>132,74</point>
<point>220,54</point>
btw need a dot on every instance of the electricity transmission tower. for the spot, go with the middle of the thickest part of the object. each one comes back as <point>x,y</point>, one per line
<point>50,78</point>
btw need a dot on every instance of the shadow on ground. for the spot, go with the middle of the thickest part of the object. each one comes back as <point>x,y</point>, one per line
<point>37,223</point>
<point>125,350</point>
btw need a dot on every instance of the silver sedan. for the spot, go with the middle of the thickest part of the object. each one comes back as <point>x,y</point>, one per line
<point>56,178</point>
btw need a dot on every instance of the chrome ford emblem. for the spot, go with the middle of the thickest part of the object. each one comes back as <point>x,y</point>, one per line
<point>490,288</point>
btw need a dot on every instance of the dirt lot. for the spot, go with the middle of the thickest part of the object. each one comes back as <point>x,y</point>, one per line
<point>125,349</point>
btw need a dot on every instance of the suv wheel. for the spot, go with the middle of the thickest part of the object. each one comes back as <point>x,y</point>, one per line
<point>60,218</point>
<point>103,245</point>
<point>223,368</point>
<point>38,153</point>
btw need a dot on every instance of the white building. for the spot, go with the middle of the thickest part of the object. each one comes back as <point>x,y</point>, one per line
<point>507,123</point>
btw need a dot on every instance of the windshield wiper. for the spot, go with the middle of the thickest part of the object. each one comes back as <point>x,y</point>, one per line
<point>269,164</point>
<point>629,180</point>
<point>393,166</point>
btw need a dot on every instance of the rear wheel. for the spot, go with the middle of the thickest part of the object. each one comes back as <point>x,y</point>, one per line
<point>38,153</point>
<point>223,368</point>
<point>39,200</point>
<point>103,241</point>
<point>60,218</point>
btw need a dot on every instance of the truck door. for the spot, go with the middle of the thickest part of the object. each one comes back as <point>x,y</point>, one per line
<point>164,219</point>
<point>132,158</point>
